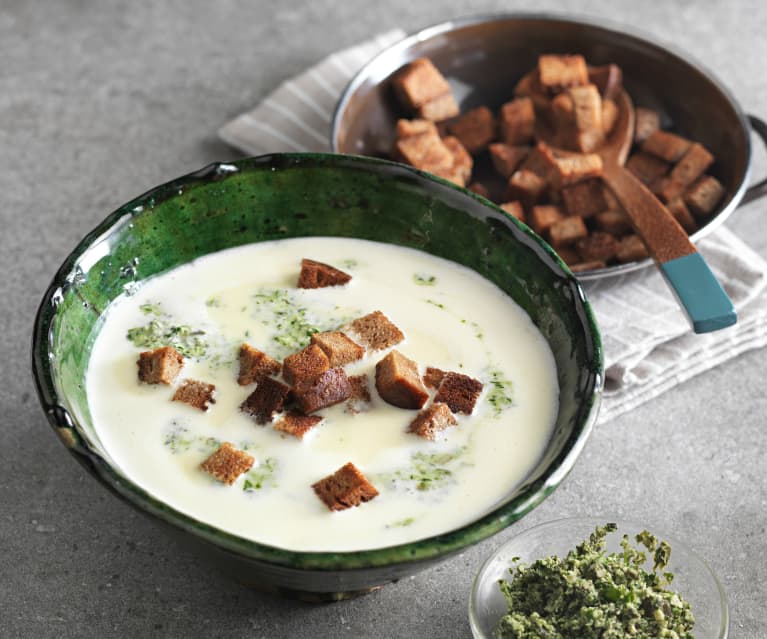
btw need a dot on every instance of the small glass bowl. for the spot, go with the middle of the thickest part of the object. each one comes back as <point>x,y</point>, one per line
<point>693,578</point>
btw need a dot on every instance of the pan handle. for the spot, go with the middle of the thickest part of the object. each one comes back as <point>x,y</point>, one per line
<point>758,190</point>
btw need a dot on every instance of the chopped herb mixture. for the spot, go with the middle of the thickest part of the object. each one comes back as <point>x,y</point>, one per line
<point>179,439</point>
<point>161,331</point>
<point>592,595</point>
<point>428,471</point>
<point>499,393</point>
<point>261,476</point>
<point>424,280</point>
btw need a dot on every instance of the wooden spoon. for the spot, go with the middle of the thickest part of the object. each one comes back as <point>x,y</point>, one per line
<point>684,269</point>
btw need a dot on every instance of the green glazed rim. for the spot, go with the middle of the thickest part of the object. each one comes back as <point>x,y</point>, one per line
<point>71,279</point>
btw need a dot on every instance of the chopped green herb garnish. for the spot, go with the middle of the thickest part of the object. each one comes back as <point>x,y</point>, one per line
<point>262,476</point>
<point>427,471</point>
<point>150,309</point>
<point>437,304</point>
<point>213,302</point>
<point>159,332</point>
<point>424,280</point>
<point>499,394</point>
<point>401,523</point>
<point>178,439</point>
<point>349,263</point>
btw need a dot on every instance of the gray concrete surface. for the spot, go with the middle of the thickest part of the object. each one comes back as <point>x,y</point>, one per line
<point>100,101</point>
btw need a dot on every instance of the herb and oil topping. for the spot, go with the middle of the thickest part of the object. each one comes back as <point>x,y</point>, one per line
<point>427,471</point>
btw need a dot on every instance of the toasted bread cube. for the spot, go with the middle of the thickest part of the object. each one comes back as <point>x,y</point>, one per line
<point>318,275</point>
<point>593,265</point>
<point>647,123</point>
<point>195,393</point>
<point>338,347</point>
<point>432,378</point>
<point>439,109</point>
<point>587,107</point>
<point>615,223</point>
<point>585,198</point>
<point>543,216</point>
<point>666,146</point>
<point>398,382</point>
<point>563,111</point>
<point>558,72</point>
<point>305,365</point>
<point>268,399</point>
<point>682,214</point>
<point>608,79</point>
<point>703,196</point>
<point>376,331</point>
<point>541,161</point>
<point>525,186</point>
<point>688,169</point>
<point>345,488</point>
<point>419,82</point>
<point>462,161</point>
<point>160,366</point>
<point>632,249</point>
<point>479,189</point>
<point>507,158</point>
<point>296,424</point>
<point>647,168</point>
<point>426,151</point>
<point>567,231</point>
<point>598,246</point>
<point>408,128</point>
<point>517,121</point>
<point>330,388</point>
<point>255,365</point>
<point>575,168</point>
<point>514,209</point>
<point>609,116</point>
<point>227,463</point>
<point>432,420</point>
<point>360,396</point>
<point>460,392</point>
<point>569,255</point>
<point>475,129</point>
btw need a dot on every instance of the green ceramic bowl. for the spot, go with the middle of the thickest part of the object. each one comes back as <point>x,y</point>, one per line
<point>281,196</point>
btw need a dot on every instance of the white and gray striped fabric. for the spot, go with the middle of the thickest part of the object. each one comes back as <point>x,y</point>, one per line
<point>649,347</point>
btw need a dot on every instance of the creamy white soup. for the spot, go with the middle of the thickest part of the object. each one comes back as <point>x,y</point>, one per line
<point>452,318</point>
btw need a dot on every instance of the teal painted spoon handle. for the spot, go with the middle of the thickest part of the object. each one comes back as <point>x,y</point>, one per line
<point>686,272</point>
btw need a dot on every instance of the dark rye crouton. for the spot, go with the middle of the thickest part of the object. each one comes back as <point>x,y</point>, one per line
<point>345,488</point>
<point>460,392</point>
<point>526,187</point>
<point>375,331</point>
<point>475,129</point>
<point>432,420</point>
<point>543,216</point>
<point>425,151</point>
<point>338,347</point>
<point>666,146</point>
<point>647,123</point>
<point>516,121</point>
<point>585,198</point>
<point>514,209</point>
<point>296,424</point>
<point>647,168</point>
<point>439,109</point>
<point>541,161</point>
<point>567,231</point>
<point>558,72</point>
<point>305,365</point>
<point>614,222</point>
<point>433,377</point>
<point>597,246</point>
<point>419,82</point>
<point>227,463</point>
<point>406,128</point>
<point>507,158</point>
<point>632,249</point>
<point>330,388</point>
<point>268,399</point>
<point>460,170</point>
<point>689,168</point>
<point>195,393</point>
<point>360,396</point>
<point>587,109</point>
<point>318,275</point>
<point>703,196</point>
<point>398,382</point>
<point>682,214</point>
<point>575,168</point>
<point>160,366</point>
<point>255,365</point>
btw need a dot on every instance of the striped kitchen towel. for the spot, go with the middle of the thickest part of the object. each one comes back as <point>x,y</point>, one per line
<point>649,347</point>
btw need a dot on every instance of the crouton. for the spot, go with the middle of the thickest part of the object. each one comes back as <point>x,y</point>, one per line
<point>584,198</point>
<point>345,488</point>
<point>330,388</point>
<point>609,116</point>
<point>558,72</point>
<point>647,123</point>
<point>543,216</point>
<point>460,392</point>
<point>575,168</point>
<point>514,209</point>
<point>507,158</point>
<point>227,463</point>
<point>407,128</point>
<point>647,168</point>
<point>296,424</point>
<point>160,366</point>
<point>613,222</point>
<point>608,80</point>
<point>567,231</point>
<point>593,265</point>
<point>517,121</point>
<point>439,109</point>
<point>689,168</point>
<point>525,186</point>
<point>255,365</point>
<point>460,171</point>
<point>305,365</point>
<point>398,382</point>
<point>375,331</point>
<point>419,82</point>
<point>666,146</point>
<point>632,249</point>
<point>426,151</point>
<point>318,275</point>
<point>597,246</point>
<point>704,195</point>
<point>432,420</point>
<point>479,189</point>
<point>563,114</point>
<point>682,214</point>
<point>195,393</point>
<point>587,107</point>
<point>541,161</point>
<point>475,129</point>
<point>529,86</point>
<point>432,378</point>
<point>360,396</point>
<point>268,399</point>
<point>338,347</point>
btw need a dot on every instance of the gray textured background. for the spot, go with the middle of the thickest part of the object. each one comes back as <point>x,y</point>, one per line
<point>101,101</point>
